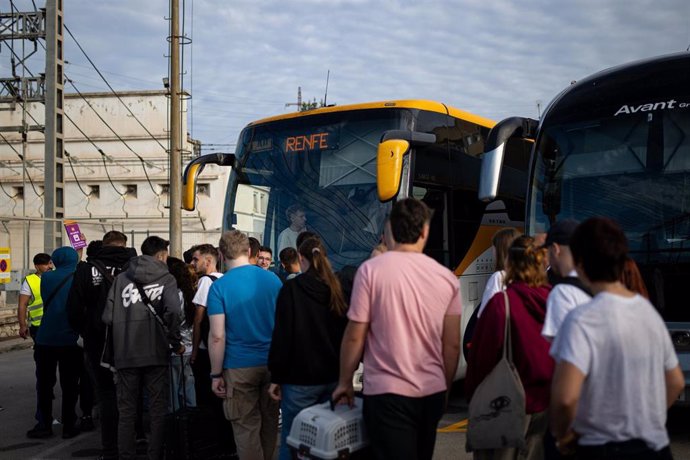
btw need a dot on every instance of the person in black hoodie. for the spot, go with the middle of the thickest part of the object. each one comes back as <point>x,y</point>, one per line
<point>85,305</point>
<point>143,313</point>
<point>305,348</point>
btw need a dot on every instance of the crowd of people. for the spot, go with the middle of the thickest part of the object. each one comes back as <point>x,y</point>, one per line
<point>220,330</point>
<point>594,356</point>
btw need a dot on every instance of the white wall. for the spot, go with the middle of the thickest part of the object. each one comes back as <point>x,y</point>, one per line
<point>106,209</point>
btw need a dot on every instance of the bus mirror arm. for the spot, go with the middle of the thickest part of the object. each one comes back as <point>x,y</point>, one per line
<point>194,168</point>
<point>492,160</point>
<point>415,138</point>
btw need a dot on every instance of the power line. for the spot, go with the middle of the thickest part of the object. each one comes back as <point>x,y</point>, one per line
<point>143,162</point>
<point>111,88</point>
<point>141,159</point>
<point>103,155</point>
<point>21,157</point>
<point>69,160</point>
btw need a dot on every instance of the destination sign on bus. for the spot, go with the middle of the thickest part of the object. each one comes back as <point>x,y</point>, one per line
<point>311,142</point>
<point>293,141</point>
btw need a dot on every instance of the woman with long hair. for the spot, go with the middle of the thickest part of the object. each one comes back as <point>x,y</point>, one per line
<point>305,349</point>
<point>500,244</point>
<point>632,278</point>
<point>186,281</point>
<point>527,290</point>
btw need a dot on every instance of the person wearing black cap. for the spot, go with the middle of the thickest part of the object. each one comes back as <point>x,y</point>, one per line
<point>568,291</point>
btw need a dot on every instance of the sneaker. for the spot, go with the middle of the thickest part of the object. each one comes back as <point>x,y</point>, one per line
<point>39,432</point>
<point>86,423</point>
<point>70,432</point>
<point>142,444</point>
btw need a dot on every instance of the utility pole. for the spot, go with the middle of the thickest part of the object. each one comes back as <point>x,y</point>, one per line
<point>175,134</point>
<point>54,185</point>
<point>299,100</point>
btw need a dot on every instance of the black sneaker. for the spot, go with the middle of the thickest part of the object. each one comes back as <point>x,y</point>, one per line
<point>86,423</point>
<point>70,432</point>
<point>39,432</point>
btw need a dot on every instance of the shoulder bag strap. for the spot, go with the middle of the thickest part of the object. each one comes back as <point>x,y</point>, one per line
<point>103,270</point>
<point>56,290</point>
<point>152,310</point>
<point>507,340</point>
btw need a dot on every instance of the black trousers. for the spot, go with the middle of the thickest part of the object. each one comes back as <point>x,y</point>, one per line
<point>202,379</point>
<point>106,398</point>
<point>86,390</point>
<point>401,427</point>
<point>156,381</point>
<point>69,361</point>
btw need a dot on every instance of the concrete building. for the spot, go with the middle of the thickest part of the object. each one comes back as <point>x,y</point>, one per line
<point>116,176</point>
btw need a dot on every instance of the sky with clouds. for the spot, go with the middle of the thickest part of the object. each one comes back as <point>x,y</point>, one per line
<point>247,57</point>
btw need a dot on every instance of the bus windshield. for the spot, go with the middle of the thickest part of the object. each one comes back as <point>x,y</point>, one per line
<point>634,169</point>
<point>320,175</point>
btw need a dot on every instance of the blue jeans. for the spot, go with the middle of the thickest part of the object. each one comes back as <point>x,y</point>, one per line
<point>178,394</point>
<point>294,399</point>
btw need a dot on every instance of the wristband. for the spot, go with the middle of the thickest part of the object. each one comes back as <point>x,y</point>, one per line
<point>216,376</point>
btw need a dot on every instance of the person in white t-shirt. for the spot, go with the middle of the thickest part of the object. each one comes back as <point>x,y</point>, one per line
<point>298,223</point>
<point>501,242</point>
<point>204,261</point>
<point>568,291</point>
<point>617,372</point>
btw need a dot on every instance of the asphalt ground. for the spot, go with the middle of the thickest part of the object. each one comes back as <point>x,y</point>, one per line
<point>18,402</point>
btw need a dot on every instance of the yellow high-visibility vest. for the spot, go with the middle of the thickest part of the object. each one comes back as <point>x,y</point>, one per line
<point>36,304</point>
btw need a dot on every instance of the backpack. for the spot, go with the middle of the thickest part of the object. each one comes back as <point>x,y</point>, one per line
<point>205,327</point>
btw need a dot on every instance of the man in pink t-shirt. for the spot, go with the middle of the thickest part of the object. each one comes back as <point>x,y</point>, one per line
<point>405,316</point>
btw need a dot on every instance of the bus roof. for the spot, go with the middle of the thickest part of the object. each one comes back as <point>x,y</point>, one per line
<point>587,91</point>
<point>419,104</point>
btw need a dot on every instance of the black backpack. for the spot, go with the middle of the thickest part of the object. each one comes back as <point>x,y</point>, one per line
<point>205,327</point>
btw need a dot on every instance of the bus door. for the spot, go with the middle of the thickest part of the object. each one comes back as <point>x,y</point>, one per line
<point>438,244</point>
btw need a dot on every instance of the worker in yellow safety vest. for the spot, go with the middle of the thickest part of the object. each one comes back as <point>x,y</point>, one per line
<point>30,305</point>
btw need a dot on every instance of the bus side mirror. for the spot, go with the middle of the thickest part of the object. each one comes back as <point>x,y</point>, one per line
<point>490,174</point>
<point>492,160</point>
<point>192,171</point>
<point>390,156</point>
<point>389,163</point>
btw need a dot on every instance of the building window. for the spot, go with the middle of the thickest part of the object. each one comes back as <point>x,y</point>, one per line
<point>131,190</point>
<point>203,189</point>
<point>94,191</point>
<point>165,189</point>
<point>18,192</point>
<point>255,208</point>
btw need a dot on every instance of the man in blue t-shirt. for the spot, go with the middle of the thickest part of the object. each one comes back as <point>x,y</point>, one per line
<point>241,308</point>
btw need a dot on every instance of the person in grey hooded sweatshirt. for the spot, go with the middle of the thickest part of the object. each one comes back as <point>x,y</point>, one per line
<point>142,339</point>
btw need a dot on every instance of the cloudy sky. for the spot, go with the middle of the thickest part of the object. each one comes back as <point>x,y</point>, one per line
<point>495,58</point>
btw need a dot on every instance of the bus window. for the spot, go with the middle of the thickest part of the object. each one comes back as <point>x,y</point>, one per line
<point>437,246</point>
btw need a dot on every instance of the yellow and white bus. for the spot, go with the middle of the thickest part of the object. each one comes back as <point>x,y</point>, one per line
<point>344,165</point>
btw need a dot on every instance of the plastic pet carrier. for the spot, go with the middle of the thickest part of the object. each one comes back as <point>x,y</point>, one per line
<point>319,432</point>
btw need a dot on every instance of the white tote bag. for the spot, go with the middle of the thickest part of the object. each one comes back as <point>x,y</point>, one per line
<point>497,417</point>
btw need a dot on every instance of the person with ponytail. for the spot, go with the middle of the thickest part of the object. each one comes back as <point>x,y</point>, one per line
<point>527,290</point>
<point>309,324</point>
